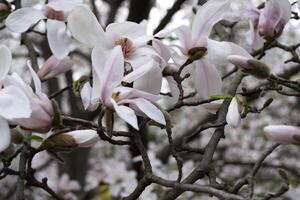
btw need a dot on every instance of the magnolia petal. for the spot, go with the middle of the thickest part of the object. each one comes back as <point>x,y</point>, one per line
<point>185,37</point>
<point>151,81</point>
<point>85,94</point>
<point>162,50</point>
<point>219,51</point>
<point>148,109</point>
<point>132,93</point>
<point>213,107</point>
<point>36,80</point>
<point>6,59</point>
<point>139,72</point>
<point>22,19</point>
<point>113,72</point>
<point>127,114</point>
<point>207,79</point>
<point>64,5</point>
<point>282,134</point>
<point>84,26</point>
<point>233,117</point>
<point>173,89</point>
<point>12,107</point>
<point>57,38</point>
<point>4,134</point>
<point>126,29</point>
<point>84,138</point>
<point>206,17</point>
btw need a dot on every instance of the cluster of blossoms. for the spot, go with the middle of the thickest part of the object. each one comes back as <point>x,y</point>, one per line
<point>128,68</point>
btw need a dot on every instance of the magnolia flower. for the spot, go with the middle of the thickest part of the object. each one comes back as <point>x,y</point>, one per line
<point>193,44</point>
<point>56,12</point>
<point>131,36</point>
<point>42,114</point>
<point>70,140</point>
<point>53,67</point>
<point>283,134</point>
<point>274,17</point>
<point>10,106</point>
<point>233,117</point>
<point>113,96</point>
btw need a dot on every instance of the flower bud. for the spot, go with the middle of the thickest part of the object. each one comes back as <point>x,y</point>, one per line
<point>70,140</point>
<point>250,66</point>
<point>54,67</point>
<point>196,53</point>
<point>283,134</point>
<point>274,17</point>
<point>235,109</point>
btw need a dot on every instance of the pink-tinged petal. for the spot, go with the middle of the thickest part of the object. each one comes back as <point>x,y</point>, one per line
<point>151,81</point>
<point>15,80</point>
<point>85,94</point>
<point>253,37</point>
<point>274,17</point>
<point>99,57</point>
<point>206,17</point>
<point>239,61</point>
<point>96,89</point>
<point>6,59</point>
<point>185,37</point>
<point>4,134</point>
<point>127,29</point>
<point>207,79</point>
<point>162,50</point>
<point>139,72</point>
<point>233,117</point>
<point>50,63</point>
<point>85,27</point>
<point>125,113</point>
<point>141,41</point>
<point>132,93</point>
<point>113,73</point>
<point>219,51</point>
<point>22,19</point>
<point>84,138</point>
<point>57,38</point>
<point>14,103</point>
<point>30,3</point>
<point>148,109</point>
<point>141,55</point>
<point>282,134</point>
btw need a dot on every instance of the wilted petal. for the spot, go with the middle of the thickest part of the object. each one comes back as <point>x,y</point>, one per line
<point>148,109</point>
<point>207,16</point>
<point>282,134</point>
<point>4,134</point>
<point>57,38</point>
<point>22,19</point>
<point>85,27</point>
<point>6,58</point>
<point>127,114</point>
<point>233,117</point>
<point>14,103</point>
<point>207,79</point>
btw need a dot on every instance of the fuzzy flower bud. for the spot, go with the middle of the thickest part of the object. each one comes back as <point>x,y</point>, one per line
<point>283,134</point>
<point>70,140</point>
<point>250,66</point>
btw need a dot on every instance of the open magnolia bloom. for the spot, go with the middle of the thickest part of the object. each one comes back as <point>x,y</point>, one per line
<point>283,134</point>
<point>42,113</point>
<point>13,102</point>
<point>127,102</point>
<point>56,12</point>
<point>193,45</point>
<point>131,36</point>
